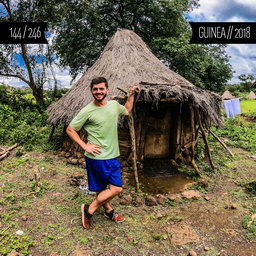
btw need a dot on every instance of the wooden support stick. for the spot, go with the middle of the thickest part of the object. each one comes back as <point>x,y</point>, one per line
<point>134,155</point>
<point>5,153</point>
<point>51,134</point>
<point>194,140</point>
<point>205,140</point>
<point>193,162</point>
<point>220,141</point>
<point>123,90</point>
<point>192,130</point>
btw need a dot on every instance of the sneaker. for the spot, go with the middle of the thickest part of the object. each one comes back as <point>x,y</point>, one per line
<point>86,217</point>
<point>114,216</point>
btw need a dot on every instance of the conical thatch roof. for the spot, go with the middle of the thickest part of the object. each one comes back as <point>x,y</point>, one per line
<point>251,95</point>
<point>126,61</point>
<point>227,95</point>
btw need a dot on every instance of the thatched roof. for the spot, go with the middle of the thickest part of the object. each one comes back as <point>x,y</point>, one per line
<point>227,95</point>
<point>251,95</point>
<point>127,61</point>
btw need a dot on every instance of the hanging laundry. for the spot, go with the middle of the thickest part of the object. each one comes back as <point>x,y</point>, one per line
<point>232,107</point>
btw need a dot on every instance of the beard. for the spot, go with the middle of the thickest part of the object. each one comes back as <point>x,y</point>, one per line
<point>99,100</point>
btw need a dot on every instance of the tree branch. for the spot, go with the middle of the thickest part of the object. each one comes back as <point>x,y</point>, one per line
<point>15,75</point>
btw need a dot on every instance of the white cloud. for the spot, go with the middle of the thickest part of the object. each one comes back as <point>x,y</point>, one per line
<point>243,56</point>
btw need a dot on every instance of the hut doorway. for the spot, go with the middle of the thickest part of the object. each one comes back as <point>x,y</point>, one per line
<point>161,131</point>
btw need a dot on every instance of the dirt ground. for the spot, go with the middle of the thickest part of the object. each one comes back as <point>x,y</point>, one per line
<point>47,211</point>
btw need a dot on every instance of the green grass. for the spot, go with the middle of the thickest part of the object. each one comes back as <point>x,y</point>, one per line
<point>248,107</point>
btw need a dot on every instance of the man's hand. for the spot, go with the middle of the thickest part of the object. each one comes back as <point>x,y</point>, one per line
<point>134,89</point>
<point>92,149</point>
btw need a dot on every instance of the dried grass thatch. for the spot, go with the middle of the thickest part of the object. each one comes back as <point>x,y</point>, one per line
<point>251,95</point>
<point>227,95</point>
<point>126,61</point>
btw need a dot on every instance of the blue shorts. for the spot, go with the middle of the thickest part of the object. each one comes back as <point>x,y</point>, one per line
<point>101,173</point>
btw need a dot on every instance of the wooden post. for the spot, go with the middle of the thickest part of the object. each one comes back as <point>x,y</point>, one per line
<point>220,141</point>
<point>205,139</point>
<point>51,134</point>
<point>134,155</point>
<point>193,162</point>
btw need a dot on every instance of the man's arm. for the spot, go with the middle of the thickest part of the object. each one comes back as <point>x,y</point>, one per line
<point>129,102</point>
<point>89,148</point>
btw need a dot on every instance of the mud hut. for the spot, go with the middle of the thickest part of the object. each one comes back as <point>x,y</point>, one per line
<point>227,95</point>
<point>169,111</point>
<point>251,96</point>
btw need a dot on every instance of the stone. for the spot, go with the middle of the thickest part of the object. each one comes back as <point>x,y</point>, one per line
<point>74,161</point>
<point>139,201</point>
<point>126,200</point>
<point>233,206</point>
<point>159,215</point>
<point>67,155</point>
<point>206,248</point>
<point>124,163</point>
<point>161,199</point>
<point>79,155</point>
<point>81,252</point>
<point>150,201</point>
<point>182,233</point>
<point>24,218</point>
<point>57,194</point>
<point>207,198</point>
<point>81,161</point>
<point>175,197</point>
<point>192,253</point>
<point>62,153</point>
<point>125,169</point>
<point>253,217</point>
<point>191,194</point>
<point>204,184</point>
<point>14,253</point>
<point>77,175</point>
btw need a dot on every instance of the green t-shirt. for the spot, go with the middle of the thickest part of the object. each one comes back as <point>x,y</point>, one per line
<point>101,126</point>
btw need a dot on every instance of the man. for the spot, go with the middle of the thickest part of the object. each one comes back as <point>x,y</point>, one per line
<point>100,118</point>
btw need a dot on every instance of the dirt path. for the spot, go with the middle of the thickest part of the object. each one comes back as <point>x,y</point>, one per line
<point>210,225</point>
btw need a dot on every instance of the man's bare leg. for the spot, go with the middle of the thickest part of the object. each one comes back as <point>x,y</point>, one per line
<point>106,204</point>
<point>104,197</point>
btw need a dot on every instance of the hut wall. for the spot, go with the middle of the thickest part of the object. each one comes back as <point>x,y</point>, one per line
<point>163,132</point>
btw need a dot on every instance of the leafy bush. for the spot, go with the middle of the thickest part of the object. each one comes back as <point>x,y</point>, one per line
<point>22,120</point>
<point>239,133</point>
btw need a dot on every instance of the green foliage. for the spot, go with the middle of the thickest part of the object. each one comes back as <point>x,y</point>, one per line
<point>248,107</point>
<point>12,241</point>
<point>206,66</point>
<point>239,133</point>
<point>23,121</point>
<point>81,35</point>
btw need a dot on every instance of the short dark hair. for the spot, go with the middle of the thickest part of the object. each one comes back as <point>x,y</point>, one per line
<point>98,80</point>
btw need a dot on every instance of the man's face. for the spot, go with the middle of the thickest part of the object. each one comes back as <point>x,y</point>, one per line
<point>99,91</point>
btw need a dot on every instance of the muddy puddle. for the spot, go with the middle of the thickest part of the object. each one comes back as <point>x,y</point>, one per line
<point>159,177</point>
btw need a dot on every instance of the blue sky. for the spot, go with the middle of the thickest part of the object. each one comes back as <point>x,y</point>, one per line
<point>242,56</point>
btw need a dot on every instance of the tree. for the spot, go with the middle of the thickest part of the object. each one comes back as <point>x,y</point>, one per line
<point>29,63</point>
<point>84,27</point>
<point>206,66</point>
<point>247,82</point>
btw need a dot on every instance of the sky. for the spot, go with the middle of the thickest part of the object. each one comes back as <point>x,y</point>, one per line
<point>242,56</point>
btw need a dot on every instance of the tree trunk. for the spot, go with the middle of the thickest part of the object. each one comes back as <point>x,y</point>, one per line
<point>38,93</point>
